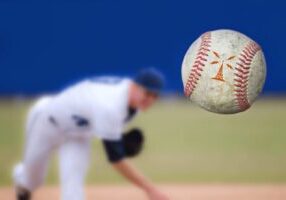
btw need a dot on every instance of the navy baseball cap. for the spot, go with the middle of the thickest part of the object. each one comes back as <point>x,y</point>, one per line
<point>151,79</point>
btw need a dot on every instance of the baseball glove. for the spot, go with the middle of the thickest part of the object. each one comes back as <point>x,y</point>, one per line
<point>133,141</point>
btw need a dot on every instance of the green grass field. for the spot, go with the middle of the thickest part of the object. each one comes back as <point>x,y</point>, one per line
<point>185,144</point>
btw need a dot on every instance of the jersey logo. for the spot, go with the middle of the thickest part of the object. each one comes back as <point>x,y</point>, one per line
<point>53,121</point>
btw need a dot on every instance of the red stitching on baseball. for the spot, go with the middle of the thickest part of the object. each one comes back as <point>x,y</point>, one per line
<point>240,81</point>
<point>199,64</point>
<point>242,73</point>
<point>244,61</point>
<point>241,76</point>
<point>242,66</point>
<point>241,85</point>
<point>245,57</point>
<point>199,68</point>
<point>202,53</point>
<point>201,58</point>
<point>246,53</point>
<point>250,51</point>
<point>203,49</point>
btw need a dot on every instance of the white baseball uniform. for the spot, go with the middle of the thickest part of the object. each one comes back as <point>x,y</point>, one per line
<point>67,122</point>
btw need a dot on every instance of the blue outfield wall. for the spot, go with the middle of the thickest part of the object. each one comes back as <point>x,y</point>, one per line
<point>44,45</point>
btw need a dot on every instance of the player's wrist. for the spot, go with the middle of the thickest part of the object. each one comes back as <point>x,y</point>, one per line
<point>149,188</point>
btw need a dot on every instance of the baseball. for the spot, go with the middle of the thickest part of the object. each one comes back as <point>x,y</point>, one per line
<point>223,71</point>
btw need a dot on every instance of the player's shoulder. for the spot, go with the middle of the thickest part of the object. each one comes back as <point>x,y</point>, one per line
<point>104,94</point>
<point>42,102</point>
<point>112,96</point>
<point>110,81</point>
<point>112,92</point>
<point>45,99</point>
<point>104,83</point>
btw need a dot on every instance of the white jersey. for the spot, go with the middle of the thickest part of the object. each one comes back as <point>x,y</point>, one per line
<point>92,107</point>
<point>66,122</point>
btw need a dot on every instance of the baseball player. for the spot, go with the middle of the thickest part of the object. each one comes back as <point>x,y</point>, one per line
<point>67,122</point>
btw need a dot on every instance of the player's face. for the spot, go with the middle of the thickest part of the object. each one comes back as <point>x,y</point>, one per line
<point>147,99</point>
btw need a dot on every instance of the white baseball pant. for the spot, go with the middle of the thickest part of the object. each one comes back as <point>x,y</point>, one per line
<point>42,139</point>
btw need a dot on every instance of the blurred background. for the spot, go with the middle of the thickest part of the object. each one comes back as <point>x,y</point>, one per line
<point>47,45</point>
